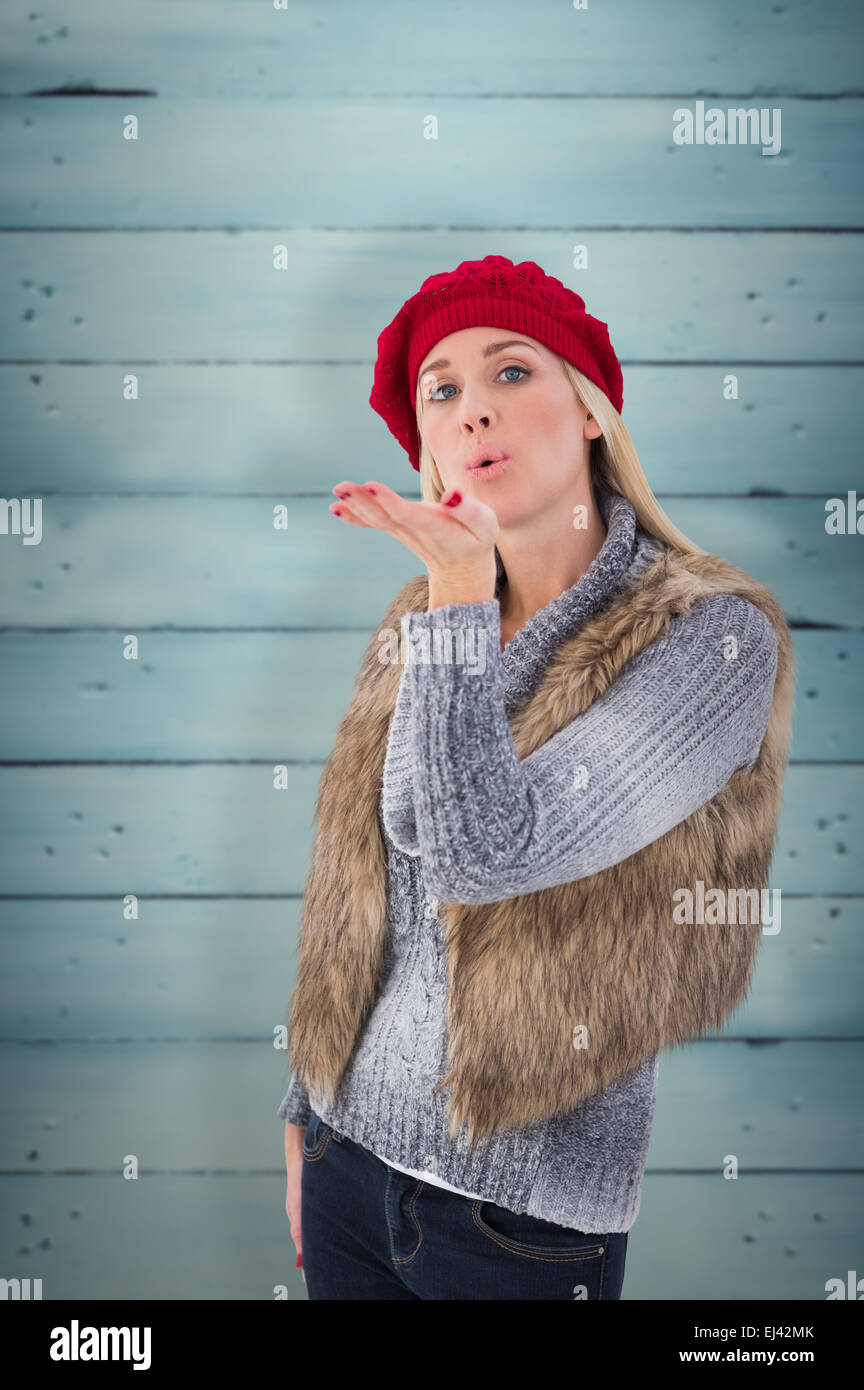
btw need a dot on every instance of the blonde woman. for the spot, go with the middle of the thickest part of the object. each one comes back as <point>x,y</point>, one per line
<point>543,830</point>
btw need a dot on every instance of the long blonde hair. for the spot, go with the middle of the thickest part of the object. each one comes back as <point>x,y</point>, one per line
<point>613,463</point>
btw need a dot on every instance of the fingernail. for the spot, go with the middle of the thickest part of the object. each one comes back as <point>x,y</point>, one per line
<point>454,500</point>
<point>372,490</point>
<point>336,511</point>
<point>299,1264</point>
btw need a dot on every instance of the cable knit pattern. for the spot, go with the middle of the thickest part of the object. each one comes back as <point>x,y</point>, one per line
<point>466,821</point>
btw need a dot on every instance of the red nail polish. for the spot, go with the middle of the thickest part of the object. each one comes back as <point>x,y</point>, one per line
<point>299,1264</point>
<point>454,500</point>
<point>336,511</point>
<point>372,490</point>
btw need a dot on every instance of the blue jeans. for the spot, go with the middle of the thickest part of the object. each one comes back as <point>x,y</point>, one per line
<point>371,1232</point>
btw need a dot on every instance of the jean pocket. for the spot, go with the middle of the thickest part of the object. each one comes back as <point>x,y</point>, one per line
<point>534,1237</point>
<point>318,1134</point>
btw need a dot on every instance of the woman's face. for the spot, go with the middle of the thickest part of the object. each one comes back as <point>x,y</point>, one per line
<point>514,398</point>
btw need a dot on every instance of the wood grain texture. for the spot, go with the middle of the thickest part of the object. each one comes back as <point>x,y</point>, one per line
<point>243,429</point>
<point>155,257</point>
<point>234,51</point>
<point>225,1236</point>
<point>302,162</point>
<point>174,297</point>
<point>147,562</point>
<point>279,694</point>
<point>218,828</point>
<point>221,968</point>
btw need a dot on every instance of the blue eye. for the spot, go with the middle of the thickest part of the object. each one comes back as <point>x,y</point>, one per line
<point>523,371</point>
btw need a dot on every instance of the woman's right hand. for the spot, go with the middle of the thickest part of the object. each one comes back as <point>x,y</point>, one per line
<point>294,1135</point>
<point>456,544</point>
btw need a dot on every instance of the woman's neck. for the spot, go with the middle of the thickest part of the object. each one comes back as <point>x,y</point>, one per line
<point>540,567</point>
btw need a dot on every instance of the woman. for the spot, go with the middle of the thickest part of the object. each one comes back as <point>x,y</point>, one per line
<point>582,732</point>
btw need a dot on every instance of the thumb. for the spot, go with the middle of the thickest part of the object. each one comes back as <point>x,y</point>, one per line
<point>473,514</point>
<point>451,498</point>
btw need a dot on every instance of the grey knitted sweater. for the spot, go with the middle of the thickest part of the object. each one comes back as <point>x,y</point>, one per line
<point>465,820</point>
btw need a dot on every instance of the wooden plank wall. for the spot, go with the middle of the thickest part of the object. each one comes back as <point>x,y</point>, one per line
<point>303,127</point>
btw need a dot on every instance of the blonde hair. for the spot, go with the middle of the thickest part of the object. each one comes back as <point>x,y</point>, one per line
<point>613,463</point>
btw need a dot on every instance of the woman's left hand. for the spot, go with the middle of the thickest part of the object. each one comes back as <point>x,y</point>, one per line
<point>454,542</point>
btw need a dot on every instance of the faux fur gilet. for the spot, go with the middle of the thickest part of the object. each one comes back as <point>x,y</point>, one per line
<point>555,994</point>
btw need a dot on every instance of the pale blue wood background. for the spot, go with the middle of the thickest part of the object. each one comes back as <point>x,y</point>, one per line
<point>304,128</point>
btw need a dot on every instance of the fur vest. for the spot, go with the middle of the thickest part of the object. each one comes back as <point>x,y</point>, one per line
<point>601,952</point>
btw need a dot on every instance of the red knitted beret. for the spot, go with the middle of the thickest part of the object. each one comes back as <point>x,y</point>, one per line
<point>491,293</point>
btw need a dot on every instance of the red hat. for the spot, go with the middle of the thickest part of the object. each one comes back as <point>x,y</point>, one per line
<point>491,293</point>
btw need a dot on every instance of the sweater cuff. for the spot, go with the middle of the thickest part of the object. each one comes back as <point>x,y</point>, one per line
<point>294,1108</point>
<point>464,635</point>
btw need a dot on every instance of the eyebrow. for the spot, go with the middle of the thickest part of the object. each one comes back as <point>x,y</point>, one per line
<point>488,351</point>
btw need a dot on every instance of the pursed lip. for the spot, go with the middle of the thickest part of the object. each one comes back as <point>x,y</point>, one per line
<point>483,452</point>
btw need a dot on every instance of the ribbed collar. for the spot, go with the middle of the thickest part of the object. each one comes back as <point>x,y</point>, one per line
<point>531,648</point>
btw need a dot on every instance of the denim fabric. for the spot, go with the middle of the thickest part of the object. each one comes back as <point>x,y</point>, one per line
<point>371,1232</point>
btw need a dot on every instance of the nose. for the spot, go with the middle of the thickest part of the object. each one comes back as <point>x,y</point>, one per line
<point>475,415</point>
<point>472,422</point>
